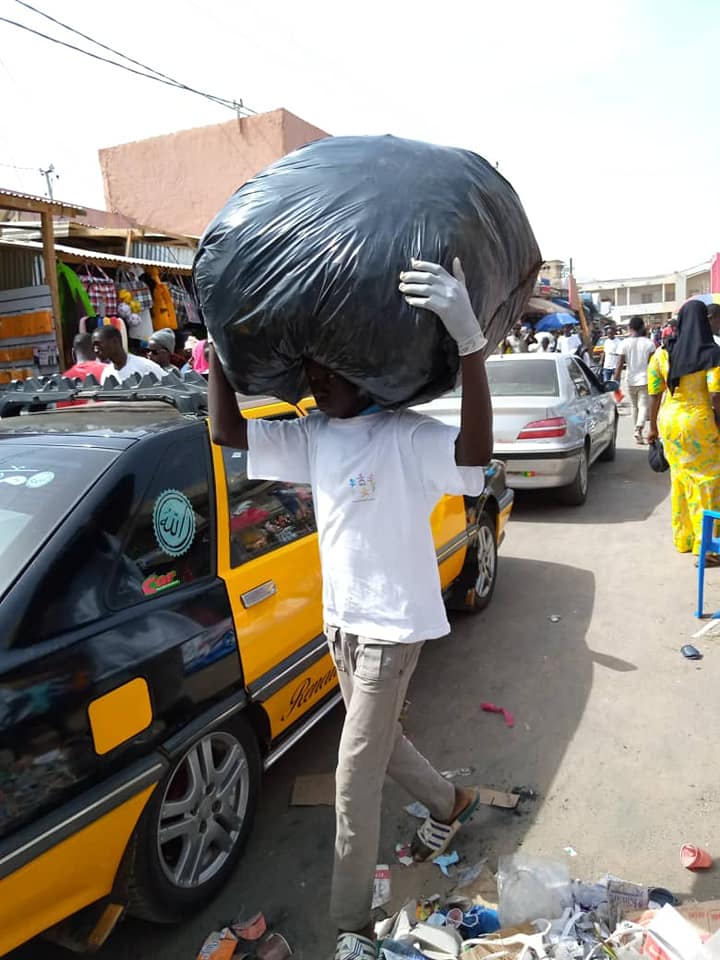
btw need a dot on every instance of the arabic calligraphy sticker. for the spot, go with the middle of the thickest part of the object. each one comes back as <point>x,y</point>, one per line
<point>173,523</point>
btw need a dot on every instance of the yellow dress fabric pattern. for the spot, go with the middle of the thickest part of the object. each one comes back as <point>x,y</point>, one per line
<point>691,441</point>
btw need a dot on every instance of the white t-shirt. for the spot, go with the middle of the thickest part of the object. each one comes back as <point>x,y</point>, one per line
<point>517,344</point>
<point>568,344</point>
<point>134,364</point>
<point>611,348</point>
<point>375,480</point>
<point>637,352</point>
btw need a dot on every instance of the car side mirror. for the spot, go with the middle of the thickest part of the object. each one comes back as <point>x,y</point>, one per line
<point>611,386</point>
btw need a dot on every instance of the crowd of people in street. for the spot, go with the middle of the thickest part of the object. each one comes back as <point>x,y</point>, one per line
<point>106,353</point>
<point>672,379</point>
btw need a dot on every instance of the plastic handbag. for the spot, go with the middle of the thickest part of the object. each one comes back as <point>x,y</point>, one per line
<point>136,287</point>
<point>656,457</point>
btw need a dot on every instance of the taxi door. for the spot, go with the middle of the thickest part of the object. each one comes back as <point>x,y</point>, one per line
<point>268,557</point>
<point>450,535</point>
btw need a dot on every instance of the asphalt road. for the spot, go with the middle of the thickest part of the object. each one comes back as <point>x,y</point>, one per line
<point>613,728</point>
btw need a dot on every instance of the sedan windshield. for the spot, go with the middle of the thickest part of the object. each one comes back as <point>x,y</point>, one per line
<point>523,378</point>
<point>39,486</point>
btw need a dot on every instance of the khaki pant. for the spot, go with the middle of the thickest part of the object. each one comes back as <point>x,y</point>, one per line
<point>639,402</point>
<point>373,679</point>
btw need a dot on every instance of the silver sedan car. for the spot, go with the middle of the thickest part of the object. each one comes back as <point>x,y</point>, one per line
<point>552,419</point>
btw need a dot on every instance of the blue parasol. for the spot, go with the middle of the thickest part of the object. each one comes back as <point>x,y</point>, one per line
<point>554,321</point>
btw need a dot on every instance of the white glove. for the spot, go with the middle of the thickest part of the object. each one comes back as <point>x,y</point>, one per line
<point>430,286</point>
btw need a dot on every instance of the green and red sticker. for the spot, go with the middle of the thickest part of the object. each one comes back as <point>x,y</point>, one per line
<point>157,582</point>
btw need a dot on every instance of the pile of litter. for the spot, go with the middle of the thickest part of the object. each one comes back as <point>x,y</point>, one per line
<point>244,939</point>
<point>533,910</point>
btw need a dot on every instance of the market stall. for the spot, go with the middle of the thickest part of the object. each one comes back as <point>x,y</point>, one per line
<point>49,291</point>
<point>91,288</point>
<point>28,312</point>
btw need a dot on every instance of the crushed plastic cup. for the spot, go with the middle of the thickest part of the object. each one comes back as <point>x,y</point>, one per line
<point>694,858</point>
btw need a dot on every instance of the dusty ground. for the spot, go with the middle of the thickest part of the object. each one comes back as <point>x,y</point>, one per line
<point>614,729</point>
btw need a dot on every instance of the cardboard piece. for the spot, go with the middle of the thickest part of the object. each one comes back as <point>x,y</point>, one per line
<point>382,885</point>
<point>419,882</point>
<point>704,917</point>
<point>219,945</point>
<point>482,891</point>
<point>498,798</point>
<point>315,790</point>
<point>318,789</point>
<point>624,897</point>
<point>670,937</point>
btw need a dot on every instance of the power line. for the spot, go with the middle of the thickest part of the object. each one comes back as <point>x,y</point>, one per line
<point>14,166</point>
<point>153,75</point>
<point>97,43</point>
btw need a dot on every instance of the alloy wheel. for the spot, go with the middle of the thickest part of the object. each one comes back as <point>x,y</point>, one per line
<point>203,809</point>
<point>486,562</point>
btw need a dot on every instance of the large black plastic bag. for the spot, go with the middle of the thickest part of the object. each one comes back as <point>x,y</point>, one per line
<point>304,261</point>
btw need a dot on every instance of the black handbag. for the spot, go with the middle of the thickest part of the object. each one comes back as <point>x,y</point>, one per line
<point>656,457</point>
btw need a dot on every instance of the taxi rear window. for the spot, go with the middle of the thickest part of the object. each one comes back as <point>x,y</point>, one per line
<point>39,486</point>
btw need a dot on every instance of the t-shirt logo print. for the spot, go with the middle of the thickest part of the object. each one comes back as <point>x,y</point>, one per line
<point>362,487</point>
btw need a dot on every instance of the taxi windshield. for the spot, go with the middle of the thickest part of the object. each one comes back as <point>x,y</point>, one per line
<point>39,486</point>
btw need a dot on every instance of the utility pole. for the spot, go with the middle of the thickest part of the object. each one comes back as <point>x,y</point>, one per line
<point>49,175</point>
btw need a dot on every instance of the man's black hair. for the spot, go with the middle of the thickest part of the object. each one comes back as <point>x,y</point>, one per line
<point>82,346</point>
<point>637,324</point>
<point>108,332</point>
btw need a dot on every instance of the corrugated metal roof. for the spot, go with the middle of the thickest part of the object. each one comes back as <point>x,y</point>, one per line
<point>77,255</point>
<point>21,268</point>
<point>34,202</point>
<point>179,256</point>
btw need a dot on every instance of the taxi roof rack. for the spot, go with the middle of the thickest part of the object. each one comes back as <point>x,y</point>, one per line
<point>187,392</point>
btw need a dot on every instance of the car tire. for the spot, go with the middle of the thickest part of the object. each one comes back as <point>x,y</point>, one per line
<point>487,562</point>
<point>608,454</point>
<point>575,493</point>
<point>195,826</point>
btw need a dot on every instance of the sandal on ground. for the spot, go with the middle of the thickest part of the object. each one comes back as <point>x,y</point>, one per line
<point>352,946</point>
<point>434,837</point>
<point>711,560</point>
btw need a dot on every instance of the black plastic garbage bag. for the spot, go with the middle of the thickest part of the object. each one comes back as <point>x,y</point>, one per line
<point>304,261</point>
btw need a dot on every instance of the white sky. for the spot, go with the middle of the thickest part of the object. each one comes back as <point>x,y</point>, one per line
<point>602,115</point>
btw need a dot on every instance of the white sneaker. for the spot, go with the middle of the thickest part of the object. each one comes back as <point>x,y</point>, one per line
<point>351,946</point>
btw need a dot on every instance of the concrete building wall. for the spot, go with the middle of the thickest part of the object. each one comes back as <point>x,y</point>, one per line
<point>178,182</point>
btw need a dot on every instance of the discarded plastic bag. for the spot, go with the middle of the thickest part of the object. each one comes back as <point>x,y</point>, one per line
<point>517,946</point>
<point>530,887</point>
<point>436,943</point>
<point>304,261</point>
<point>395,950</point>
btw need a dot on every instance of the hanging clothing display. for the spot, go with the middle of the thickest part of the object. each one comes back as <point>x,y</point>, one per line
<point>101,290</point>
<point>163,311</point>
<point>74,304</point>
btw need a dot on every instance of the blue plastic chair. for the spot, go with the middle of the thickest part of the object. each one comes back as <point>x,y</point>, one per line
<point>708,544</point>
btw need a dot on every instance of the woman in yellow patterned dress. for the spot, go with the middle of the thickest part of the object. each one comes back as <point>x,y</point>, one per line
<point>687,374</point>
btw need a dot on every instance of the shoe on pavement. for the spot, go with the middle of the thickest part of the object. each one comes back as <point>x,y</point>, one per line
<point>351,946</point>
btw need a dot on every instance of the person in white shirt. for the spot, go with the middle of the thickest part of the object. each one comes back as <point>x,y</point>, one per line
<point>568,342</point>
<point>634,353</point>
<point>108,347</point>
<point>543,344</point>
<point>375,476</point>
<point>610,351</point>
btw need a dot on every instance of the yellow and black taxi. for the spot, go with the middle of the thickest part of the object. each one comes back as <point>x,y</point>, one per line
<point>161,645</point>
